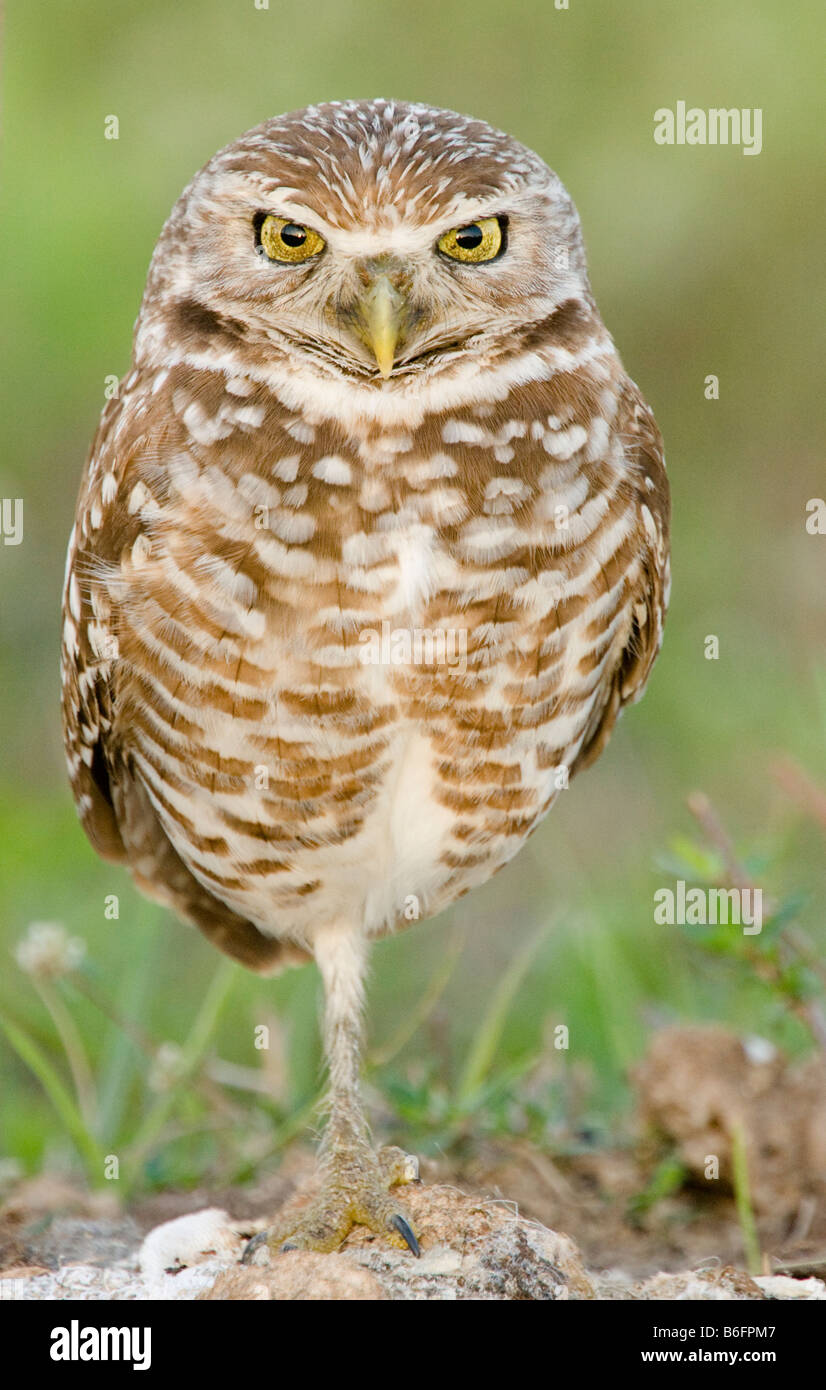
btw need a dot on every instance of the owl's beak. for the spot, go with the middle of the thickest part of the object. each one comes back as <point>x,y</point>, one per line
<point>382,310</point>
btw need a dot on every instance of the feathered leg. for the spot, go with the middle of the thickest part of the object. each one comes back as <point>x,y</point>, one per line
<point>356,1181</point>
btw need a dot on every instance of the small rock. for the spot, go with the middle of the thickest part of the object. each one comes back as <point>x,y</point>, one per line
<point>299,1276</point>
<point>69,1240</point>
<point>188,1240</point>
<point>783,1286</point>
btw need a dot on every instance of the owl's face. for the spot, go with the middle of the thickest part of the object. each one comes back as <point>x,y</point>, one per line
<point>369,240</point>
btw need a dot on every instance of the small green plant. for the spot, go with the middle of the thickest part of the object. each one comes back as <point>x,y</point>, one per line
<point>54,961</point>
<point>779,954</point>
<point>667,1179</point>
<point>776,952</point>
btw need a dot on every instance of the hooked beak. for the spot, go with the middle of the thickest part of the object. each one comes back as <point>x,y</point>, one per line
<point>382,311</point>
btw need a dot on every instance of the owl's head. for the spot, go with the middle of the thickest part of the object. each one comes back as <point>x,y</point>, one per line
<point>370,240</point>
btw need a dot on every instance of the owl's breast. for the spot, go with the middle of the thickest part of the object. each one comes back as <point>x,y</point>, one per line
<point>352,674</point>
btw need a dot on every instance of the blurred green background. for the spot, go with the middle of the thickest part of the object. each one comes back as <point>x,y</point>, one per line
<point>702,261</point>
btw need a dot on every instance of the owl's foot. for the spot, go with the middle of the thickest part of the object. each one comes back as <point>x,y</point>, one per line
<point>356,1192</point>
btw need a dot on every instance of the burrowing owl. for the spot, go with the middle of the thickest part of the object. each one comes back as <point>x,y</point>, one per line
<point>370,551</point>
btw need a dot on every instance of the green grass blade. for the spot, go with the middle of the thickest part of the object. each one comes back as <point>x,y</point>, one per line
<point>30,1053</point>
<point>192,1053</point>
<point>742,1197</point>
<point>483,1050</point>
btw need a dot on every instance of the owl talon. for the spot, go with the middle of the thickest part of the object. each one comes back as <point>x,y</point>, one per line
<point>356,1192</point>
<point>399,1223</point>
<point>252,1245</point>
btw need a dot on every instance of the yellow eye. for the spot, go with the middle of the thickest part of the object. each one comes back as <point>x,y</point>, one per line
<point>290,242</point>
<point>478,241</point>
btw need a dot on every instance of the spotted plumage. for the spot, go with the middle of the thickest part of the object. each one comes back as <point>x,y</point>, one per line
<point>378,439</point>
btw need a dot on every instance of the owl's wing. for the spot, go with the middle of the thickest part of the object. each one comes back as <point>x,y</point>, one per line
<point>89,646</point>
<point>649,597</point>
<point>114,807</point>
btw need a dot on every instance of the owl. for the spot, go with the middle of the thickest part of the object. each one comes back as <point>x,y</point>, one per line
<point>370,551</point>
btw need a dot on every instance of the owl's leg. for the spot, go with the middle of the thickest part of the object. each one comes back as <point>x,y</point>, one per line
<point>356,1180</point>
